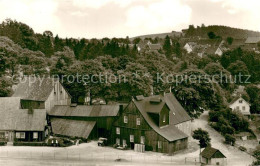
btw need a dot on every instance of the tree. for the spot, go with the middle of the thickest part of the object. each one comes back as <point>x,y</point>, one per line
<point>229,139</point>
<point>229,40</point>
<point>167,46</point>
<point>203,137</point>
<point>211,35</point>
<point>258,44</point>
<point>254,95</point>
<point>5,87</point>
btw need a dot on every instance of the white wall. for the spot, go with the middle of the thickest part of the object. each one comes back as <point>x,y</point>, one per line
<point>188,48</point>
<point>61,97</point>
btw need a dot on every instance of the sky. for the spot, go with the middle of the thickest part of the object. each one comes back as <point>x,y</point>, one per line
<point>121,18</point>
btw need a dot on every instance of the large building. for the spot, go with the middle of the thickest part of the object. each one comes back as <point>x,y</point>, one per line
<point>241,105</point>
<point>158,122</point>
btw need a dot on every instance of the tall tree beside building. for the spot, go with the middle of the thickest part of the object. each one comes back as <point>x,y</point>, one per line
<point>167,46</point>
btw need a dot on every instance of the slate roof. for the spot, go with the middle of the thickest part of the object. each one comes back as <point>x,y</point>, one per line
<point>252,40</point>
<point>85,111</point>
<point>170,132</point>
<point>72,128</point>
<point>34,89</point>
<point>208,152</point>
<point>15,119</point>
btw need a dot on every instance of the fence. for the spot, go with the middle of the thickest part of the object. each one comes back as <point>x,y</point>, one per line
<point>67,155</point>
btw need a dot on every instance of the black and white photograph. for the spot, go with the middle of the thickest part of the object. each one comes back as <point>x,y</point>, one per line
<point>129,82</point>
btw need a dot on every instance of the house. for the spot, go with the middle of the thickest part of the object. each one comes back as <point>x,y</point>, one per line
<point>252,41</point>
<point>241,105</point>
<point>154,47</point>
<point>158,122</point>
<point>189,46</point>
<point>17,124</point>
<point>41,93</point>
<point>212,156</point>
<point>84,121</point>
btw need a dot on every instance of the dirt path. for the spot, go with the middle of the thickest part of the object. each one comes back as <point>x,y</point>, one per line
<point>234,156</point>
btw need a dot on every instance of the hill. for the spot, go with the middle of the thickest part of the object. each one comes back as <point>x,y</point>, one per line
<point>222,31</point>
<point>159,35</point>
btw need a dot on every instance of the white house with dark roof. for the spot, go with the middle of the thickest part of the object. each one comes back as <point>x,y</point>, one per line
<point>241,105</point>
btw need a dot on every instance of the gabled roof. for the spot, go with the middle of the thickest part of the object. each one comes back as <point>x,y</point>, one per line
<point>34,88</point>
<point>72,128</point>
<point>252,40</point>
<point>208,152</point>
<point>170,132</point>
<point>85,110</point>
<point>238,98</point>
<point>14,118</point>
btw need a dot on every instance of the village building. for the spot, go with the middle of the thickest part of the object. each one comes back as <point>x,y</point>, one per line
<point>241,105</point>
<point>253,41</point>
<point>158,122</point>
<point>17,124</point>
<point>189,46</point>
<point>84,121</point>
<point>244,136</point>
<point>146,45</point>
<point>41,93</point>
<point>212,156</point>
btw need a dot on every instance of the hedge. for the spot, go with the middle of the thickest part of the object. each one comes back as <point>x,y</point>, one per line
<point>2,143</point>
<point>30,144</point>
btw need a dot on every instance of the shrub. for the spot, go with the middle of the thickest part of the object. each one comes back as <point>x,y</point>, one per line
<point>226,129</point>
<point>115,145</point>
<point>229,139</point>
<point>30,144</point>
<point>148,148</point>
<point>2,143</point>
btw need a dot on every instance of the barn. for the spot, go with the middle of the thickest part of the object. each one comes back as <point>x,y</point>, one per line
<point>91,121</point>
<point>157,122</point>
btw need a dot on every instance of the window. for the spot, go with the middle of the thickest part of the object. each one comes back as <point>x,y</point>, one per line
<point>35,135</point>
<point>125,119</point>
<point>22,134</point>
<point>118,141</point>
<point>17,135</point>
<point>240,101</point>
<point>118,130</point>
<point>237,107</point>
<point>132,139</point>
<point>124,142</point>
<point>159,144</point>
<point>2,135</point>
<point>243,108</point>
<point>138,121</point>
<point>142,139</point>
<point>164,118</point>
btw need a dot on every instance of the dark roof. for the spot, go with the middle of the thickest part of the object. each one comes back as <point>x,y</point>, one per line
<point>252,40</point>
<point>208,152</point>
<point>170,132</point>
<point>237,98</point>
<point>34,88</point>
<point>85,110</point>
<point>14,118</point>
<point>72,128</point>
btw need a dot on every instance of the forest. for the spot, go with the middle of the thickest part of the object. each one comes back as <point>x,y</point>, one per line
<point>24,51</point>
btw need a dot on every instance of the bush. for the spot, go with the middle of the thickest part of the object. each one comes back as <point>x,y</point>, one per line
<point>256,154</point>
<point>2,143</point>
<point>115,145</point>
<point>229,139</point>
<point>30,144</point>
<point>148,148</point>
<point>226,129</point>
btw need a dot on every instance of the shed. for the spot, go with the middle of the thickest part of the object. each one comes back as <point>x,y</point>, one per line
<point>212,156</point>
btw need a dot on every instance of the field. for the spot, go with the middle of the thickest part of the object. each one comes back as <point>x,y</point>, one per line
<point>91,154</point>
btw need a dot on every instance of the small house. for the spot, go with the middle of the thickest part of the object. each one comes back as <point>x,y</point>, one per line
<point>17,124</point>
<point>212,156</point>
<point>241,105</point>
<point>190,46</point>
<point>244,136</point>
<point>158,122</point>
